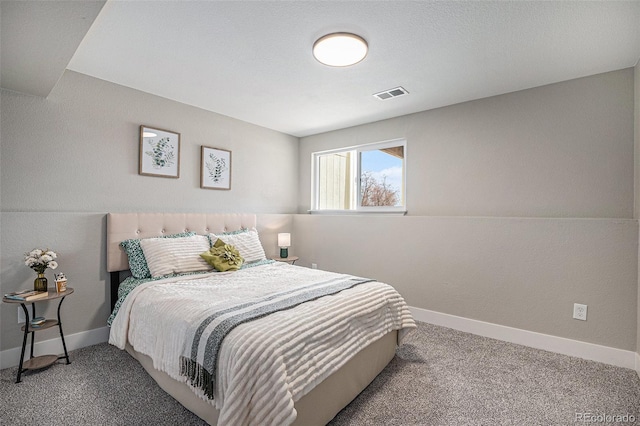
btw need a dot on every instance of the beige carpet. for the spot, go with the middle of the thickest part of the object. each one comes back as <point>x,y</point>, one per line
<point>439,377</point>
<point>446,377</point>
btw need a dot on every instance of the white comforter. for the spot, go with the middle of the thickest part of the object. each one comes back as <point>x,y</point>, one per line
<point>265,365</point>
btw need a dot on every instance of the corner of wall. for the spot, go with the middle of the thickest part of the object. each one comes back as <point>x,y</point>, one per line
<point>636,145</point>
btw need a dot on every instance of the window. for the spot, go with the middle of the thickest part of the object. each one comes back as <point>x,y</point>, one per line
<point>363,178</point>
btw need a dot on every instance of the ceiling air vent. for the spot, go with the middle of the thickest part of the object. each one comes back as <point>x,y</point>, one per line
<point>391,93</point>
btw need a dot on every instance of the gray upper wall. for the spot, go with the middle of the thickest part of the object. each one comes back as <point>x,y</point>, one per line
<point>562,150</point>
<point>77,151</point>
<point>70,158</point>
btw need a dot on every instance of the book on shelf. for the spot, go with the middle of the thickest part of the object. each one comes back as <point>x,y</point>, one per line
<point>37,322</point>
<point>36,326</point>
<point>26,295</point>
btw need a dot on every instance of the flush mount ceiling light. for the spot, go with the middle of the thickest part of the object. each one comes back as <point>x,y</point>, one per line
<point>340,49</point>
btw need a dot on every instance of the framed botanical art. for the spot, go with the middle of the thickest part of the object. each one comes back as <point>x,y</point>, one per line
<point>215,168</point>
<point>159,153</point>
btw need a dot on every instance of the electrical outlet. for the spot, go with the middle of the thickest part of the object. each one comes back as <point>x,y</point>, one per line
<point>314,266</point>
<point>21,318</point>
<point>580,311</point>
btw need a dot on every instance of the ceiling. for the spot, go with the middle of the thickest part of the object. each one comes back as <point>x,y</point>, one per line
<point>253,61</point>
<point>38,39</point>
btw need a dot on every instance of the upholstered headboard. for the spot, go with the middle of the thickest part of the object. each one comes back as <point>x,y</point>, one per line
<point>124,226</point>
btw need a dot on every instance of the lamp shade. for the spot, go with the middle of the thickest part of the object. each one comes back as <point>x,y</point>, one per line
<point>284,240</point>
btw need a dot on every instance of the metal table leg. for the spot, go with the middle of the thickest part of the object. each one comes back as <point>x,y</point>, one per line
<point>24,341</point>
<point>64,345</point>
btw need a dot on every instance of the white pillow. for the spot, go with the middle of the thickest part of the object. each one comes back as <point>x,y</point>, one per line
<point>175,255</point>
<point>247,243</point>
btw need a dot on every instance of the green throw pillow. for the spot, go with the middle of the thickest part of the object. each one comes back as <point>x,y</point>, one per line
<point>223,257</point>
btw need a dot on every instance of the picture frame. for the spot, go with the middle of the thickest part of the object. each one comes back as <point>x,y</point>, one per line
<point>159,152</point>
<point>215,168</point>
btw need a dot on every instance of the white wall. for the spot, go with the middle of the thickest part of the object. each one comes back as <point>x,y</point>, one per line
<point>550,169</point>
<point>69,159</point>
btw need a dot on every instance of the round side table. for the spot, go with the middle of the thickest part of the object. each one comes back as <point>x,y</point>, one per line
<point>42,361</point>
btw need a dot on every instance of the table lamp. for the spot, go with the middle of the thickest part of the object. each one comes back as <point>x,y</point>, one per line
<point>284,242</point>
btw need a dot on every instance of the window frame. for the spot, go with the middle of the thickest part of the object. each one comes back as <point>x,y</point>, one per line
<point>355,206</point>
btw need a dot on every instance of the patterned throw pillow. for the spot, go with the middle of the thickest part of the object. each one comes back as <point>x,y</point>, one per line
<point>248,244</point>
<point>137,261</point>
<point>223,257</point>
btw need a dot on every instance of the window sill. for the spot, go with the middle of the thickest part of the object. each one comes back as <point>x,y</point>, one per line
<point>359,212</point>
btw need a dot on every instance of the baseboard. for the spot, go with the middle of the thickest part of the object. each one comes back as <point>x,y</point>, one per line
<point>11,357</point>
<point>561,345</point>
<point>618,357</point>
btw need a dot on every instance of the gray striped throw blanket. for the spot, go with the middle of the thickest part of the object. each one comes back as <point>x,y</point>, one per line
<point>201,364</point>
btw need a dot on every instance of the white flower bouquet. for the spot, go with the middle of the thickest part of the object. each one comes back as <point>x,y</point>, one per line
<point>40,260</point>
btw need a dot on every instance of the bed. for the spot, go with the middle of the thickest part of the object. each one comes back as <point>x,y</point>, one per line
<point>328,353</point>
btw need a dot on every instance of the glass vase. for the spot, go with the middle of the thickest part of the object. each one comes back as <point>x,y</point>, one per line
<point>40,283</point>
